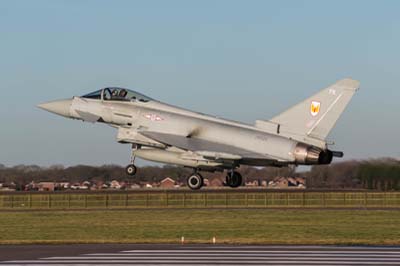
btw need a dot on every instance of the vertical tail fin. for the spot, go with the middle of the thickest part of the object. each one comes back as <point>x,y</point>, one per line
<point>316,116</point>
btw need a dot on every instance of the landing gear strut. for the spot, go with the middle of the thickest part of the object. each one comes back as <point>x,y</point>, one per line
<point>233,179</point>
<point>131,169</point>
<point>195,181</point>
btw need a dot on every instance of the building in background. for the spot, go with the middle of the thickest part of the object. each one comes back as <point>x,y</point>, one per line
<point>167,183</point>
<point>46,186</point>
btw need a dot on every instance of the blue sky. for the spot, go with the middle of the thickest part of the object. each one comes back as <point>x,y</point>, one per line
<point>243,60</point>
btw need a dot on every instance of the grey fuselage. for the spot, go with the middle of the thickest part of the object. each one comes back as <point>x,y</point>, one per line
<point>132,117</point>
<point>164,133</point>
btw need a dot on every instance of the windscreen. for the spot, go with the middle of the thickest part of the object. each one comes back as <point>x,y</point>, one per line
<point>93,95</point>
<point>121,94</point>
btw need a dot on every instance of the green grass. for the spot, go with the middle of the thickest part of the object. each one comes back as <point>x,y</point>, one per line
<point>348,227</point>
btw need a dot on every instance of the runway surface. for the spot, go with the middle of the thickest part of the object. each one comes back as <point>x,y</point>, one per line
<point>197,255</point>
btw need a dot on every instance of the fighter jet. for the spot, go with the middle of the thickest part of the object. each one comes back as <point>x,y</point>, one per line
<point>168,134</point>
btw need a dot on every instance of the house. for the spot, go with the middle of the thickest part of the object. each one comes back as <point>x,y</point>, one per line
<point>301,180</point>
<point>216,182</point>
<point>282,182</point>
<point>46,186</point>
<point>297,182</point>
<point>32,186</point>
<point>78,186</point>
<point>292,182</point>
<point>115,185</point>
<point>301,186</point>
<point>289,182</point>
<point>279,182</point>
<point>167,183</point>
<point>84,186</point>
<point>97,185</point>
<point>75,186</point>
<point>254,183</point>
<point>8,187</point>
<point>135,186</point>
<point>64,185</point>
<point>123,184</point>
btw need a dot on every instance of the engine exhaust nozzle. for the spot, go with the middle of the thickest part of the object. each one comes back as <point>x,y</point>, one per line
<point>311,155</point>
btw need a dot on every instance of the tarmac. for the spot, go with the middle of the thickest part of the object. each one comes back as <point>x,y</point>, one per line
<point>137,254</point>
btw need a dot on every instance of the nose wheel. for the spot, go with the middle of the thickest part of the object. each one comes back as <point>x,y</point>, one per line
<point>131,169</point>
<point>234,179</point>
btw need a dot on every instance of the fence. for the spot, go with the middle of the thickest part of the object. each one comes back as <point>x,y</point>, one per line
<point>230,199</point>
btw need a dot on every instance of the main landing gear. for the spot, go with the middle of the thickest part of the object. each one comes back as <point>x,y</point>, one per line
<point>195,181</point>
<point>233,179</point>
<point>131,169</point>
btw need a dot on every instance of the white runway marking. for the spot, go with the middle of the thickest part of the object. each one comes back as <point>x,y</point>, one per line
<point>224,255</point>
<point>152,252</point>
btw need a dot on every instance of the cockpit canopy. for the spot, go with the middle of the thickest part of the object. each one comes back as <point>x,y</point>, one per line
<point>117,94</point>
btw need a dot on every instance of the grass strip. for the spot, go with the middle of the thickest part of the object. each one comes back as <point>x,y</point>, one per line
<point>252,226</point>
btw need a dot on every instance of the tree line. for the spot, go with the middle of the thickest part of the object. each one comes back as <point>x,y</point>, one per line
<point>378,174</point>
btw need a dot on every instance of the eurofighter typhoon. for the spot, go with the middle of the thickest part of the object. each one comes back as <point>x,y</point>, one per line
<point>168,134</point>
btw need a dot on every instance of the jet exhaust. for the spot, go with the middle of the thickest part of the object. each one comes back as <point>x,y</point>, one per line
<point>310,155</point>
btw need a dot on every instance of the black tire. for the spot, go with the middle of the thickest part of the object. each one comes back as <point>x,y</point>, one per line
<point>131,170</point>
<point>195,181</point>
<point>234,179</point>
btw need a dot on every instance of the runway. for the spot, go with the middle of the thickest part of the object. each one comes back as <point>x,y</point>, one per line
<point>80,255</point>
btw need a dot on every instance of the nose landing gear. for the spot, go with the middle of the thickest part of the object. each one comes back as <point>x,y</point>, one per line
<point>131,169</point>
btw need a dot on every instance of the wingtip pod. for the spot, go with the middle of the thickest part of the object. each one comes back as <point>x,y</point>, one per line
<point>349,84</point>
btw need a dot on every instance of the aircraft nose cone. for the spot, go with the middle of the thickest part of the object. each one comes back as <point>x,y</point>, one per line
<point>60,107</point>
